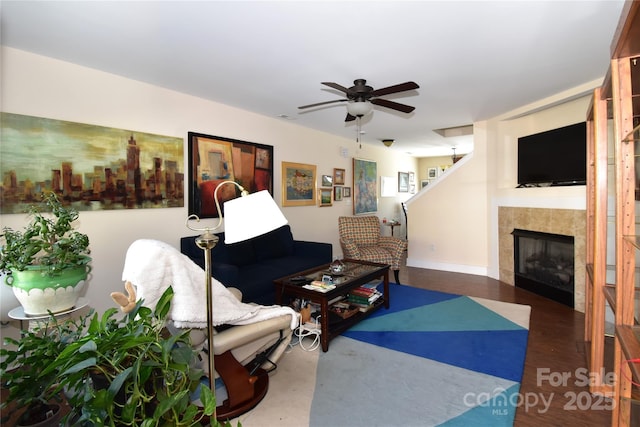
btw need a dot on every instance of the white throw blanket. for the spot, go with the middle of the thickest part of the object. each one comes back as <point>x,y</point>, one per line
<point>152,266</point>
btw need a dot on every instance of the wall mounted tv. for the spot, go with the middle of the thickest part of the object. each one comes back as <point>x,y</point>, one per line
<point>553,158</point>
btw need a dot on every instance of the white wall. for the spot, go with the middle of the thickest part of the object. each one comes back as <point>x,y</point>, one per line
<point>39,86</point>
<point>448,218</point>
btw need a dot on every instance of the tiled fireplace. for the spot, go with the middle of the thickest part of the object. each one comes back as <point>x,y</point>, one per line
<point>566,222</point>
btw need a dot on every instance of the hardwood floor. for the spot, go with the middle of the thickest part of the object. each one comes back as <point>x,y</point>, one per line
<point>555,348</point>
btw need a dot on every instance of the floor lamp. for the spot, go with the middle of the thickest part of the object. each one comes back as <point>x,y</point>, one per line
<point>248,216</point>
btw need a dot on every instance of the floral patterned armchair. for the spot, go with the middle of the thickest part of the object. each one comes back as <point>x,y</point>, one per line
<point>360,239</point>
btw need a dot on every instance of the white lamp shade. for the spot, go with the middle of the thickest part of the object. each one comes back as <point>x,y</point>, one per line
<point>250,216</point>
<point>359,108</point>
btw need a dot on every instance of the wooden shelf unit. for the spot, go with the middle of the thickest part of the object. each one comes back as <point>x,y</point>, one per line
<point>613,122</point>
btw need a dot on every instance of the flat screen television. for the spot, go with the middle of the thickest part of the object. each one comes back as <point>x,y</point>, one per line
<point>553,158</point>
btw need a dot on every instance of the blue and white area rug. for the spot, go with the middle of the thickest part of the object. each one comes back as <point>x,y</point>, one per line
<point>431,359</point>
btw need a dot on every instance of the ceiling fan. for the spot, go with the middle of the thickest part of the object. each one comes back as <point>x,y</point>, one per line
<point>361,97</point>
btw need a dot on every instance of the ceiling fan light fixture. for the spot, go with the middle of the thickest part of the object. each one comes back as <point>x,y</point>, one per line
<point>388,142</point>
<point>359,108</point>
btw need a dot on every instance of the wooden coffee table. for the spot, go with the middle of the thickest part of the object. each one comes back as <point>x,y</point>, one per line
<point>356,273</point>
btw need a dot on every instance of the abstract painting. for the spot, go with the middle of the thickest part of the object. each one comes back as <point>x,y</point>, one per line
<point>214,159</point>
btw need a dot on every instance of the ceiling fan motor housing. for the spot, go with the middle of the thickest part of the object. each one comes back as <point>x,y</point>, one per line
<point>359,92</point>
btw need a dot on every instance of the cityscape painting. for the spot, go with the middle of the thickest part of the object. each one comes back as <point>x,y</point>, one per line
<point>90,167</point>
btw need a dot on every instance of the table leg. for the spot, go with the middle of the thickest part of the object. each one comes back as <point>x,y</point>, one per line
<point>324,324</point>
<point>386,288</point>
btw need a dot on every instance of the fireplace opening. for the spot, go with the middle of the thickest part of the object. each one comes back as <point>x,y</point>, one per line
<point>544,264</point>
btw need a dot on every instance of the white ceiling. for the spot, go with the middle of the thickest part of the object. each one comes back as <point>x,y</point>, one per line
<point>473,60</point>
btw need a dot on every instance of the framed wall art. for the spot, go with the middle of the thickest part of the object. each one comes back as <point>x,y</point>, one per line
<point>388,186</point>
<point>298,184</point>
<point>327,180</point>
<point>214,159</point>
<point>365,188</point>
<point>346,192</point>
<point>326,196</point>
<point>92,167</point>
<point>403,182</point>
<point>338,176</point>
<point>337,194</point>
<point>432,173</point>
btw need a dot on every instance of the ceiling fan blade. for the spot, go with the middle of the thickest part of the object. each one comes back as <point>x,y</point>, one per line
<point>395,89</point>
<point>349,118</point>
<point>393,105</point>
<point>336,86</point>
<point>322,103</point>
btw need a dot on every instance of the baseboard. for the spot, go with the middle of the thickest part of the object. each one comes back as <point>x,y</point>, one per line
<point>454,268</point>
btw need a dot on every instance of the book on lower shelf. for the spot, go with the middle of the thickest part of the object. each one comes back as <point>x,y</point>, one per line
<point>361,292</point>
<point>362,301</point>
<point>372,284</point>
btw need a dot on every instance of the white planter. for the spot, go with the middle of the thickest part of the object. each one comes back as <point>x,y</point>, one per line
<point>39,294</point>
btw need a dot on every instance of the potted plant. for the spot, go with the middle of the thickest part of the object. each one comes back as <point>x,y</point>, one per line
<point>47,262</point>
<point>20,370</point>
<point>113,372</point>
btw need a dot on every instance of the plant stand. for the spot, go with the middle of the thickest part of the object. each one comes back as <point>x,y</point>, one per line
<point>38,321</point>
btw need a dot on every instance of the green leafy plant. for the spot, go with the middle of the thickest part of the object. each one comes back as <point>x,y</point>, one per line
<point>21,367</point>
<point>48,240</point>
<point>116,372</point>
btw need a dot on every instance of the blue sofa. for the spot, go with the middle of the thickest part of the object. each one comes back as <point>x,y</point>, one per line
<point>254,264</point>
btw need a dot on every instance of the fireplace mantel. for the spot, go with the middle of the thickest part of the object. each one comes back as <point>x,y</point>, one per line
<point>568,222</point>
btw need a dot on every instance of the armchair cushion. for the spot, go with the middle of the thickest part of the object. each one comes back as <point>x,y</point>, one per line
<point>350,248</point>
<point>362,230</point>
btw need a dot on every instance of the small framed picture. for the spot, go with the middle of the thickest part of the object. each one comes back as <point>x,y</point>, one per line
<point>403,182</point>
<point>346,191</point>
<point>337,193</point>
<point>326,197</point>
<point>432,173</point>
<point>412,178</point>
<point>298,184</point>
<point>327,180</point>
<point>338,176</point>
<point>424,183</point>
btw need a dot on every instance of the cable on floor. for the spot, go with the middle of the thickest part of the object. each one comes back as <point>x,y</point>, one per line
<point>311,330</point>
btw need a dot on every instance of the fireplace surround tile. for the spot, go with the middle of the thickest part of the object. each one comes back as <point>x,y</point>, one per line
<point>569,222</point>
